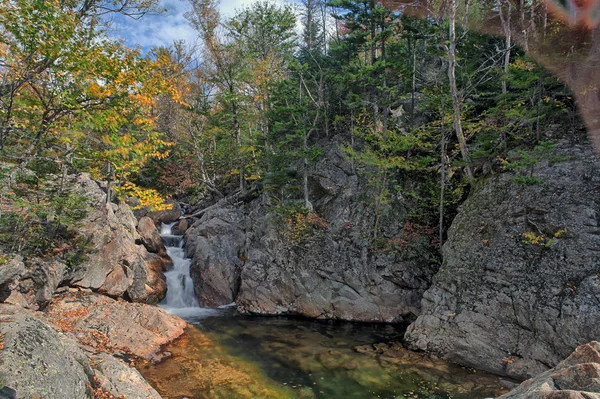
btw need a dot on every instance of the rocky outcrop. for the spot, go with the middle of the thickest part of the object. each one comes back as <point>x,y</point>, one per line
<point>181,227</point>
<point>30,283</point>
<point>577,377</point>
<point>519,287</point>
<point>326,265</point>
<point>168,215</point>
<point>108,325</point>
<point>117,266</point>
<point>76,349</point>
<point>150,236</point>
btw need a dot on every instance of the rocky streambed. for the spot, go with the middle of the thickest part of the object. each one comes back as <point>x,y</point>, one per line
<point>227,356</point>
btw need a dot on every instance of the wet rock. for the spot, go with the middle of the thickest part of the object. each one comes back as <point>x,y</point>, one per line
<point>577,377</point>
<point>215,246</point>
<point>118,378</point>
<point>108,325</point>
<point>39,362</point>
<point>150,235</point>
<point>519,286</point>
<point>181,227</point>
<point>8,393</point>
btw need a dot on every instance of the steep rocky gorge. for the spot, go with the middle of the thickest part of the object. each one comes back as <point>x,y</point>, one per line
<point>241,253</point>
<point>518,289</point>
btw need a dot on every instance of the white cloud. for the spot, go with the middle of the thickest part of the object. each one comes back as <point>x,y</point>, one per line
<point>165,28</point>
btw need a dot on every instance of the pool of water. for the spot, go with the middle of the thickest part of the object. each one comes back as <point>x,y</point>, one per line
<point>228,356</point>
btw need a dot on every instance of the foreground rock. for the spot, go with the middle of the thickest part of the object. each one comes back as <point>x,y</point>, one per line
<point>117,265</point>
<point>38,362</point>
<point>76,349</point>
<point>577,377</point>
<point>108,325</point>
<point>325,266</point>
<point>121,380</point>
<point>519,288</point>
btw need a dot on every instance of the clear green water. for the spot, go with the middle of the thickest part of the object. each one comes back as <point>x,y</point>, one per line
<point>297,358</point>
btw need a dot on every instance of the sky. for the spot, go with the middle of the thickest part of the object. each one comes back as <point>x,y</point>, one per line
<point>163,29</point>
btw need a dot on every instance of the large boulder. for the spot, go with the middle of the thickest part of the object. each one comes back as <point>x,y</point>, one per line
<point>329,267</point>
<point>38,362</point>
<point>216,245</point>
<point>117,265</point>
<point>577,377</point>
<point>107,325</point>
<point>519,287</point>
<point>69,351</point>
<point>150,235</point>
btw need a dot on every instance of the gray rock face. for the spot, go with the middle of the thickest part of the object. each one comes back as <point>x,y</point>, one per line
<point>577,377</point>
<point>333,270</point>
<point>38,362</point>
<point>217,245</point>
<point>519,288</point>
<point>116,265</point>
<point>30,283</point>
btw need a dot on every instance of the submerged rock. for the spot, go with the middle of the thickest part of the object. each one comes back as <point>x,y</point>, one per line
<point>331,268</point>
<point>577,377</point>
<point>519,287</point>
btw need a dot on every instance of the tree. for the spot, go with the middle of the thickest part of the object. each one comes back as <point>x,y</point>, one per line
<point>69,93</point>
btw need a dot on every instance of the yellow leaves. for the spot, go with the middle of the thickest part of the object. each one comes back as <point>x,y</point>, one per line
<point>148,197</point>
<point>560,233</point>
<point>522,64</point>
<point>144,100</point>
<point>541,240</point>
<point>534,239</point>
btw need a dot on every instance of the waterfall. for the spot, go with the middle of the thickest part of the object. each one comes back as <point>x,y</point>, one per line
<point>181,299</point>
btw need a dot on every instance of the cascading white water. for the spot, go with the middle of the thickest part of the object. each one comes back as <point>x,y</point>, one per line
<point>180,287</point>
<point>181,298</point>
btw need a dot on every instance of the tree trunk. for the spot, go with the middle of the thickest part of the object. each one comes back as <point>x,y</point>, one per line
<point>109,180</point>
<point>238,143</point>
<point>456,97</point>
<point>414,85</point>
<point>506,27</point>
<point>442,176</point>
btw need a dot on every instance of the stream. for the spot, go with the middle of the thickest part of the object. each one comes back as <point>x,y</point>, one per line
<point>227,355</point>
